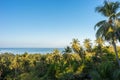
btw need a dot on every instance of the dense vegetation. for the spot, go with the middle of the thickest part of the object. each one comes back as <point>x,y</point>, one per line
<point>74,63</point>
<point>88,62</point>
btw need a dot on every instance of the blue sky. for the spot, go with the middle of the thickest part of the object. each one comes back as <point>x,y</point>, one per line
<point>47,23</point>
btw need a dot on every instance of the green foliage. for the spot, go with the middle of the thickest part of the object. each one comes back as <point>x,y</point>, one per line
<point>116,75</point>
<point>24,76</point>
<point>95,75</point>
<point>67,50</point>
<point>58,66</point>
<point>88,45</point>
<point>99,64</point>
<point>105,71</point>
<point>76,62</point>
<point>109,29</point>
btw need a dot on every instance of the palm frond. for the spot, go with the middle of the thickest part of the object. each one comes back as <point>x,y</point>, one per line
<point>95,75</point>
<point>116,5</point>
<point>102,30</point>
<point>118,14</point>
<point>108,8</point>
<point>99,32</point>
<point>112,16</point>
<point>116,75</point>
<point>99,24</point>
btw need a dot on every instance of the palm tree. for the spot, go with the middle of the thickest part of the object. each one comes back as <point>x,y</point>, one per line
<point>87,44</point>
<point>99,45</point>
<point>105,71</point>
<point>107,29</point>
<point>67,50</point>
<point>56,56</point>
<point>99,41</point>
<point>68,57</point>
<point>75,45</point>
<point>78,49</point>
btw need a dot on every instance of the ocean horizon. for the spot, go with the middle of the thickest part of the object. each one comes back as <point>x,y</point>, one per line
<point>28,50</point>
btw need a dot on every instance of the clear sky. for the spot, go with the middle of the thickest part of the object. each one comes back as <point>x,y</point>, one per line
<point>47,23</point>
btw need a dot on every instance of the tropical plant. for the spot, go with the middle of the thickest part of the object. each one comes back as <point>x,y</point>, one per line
<point>56,56</point>
<point>67,50</point>
<point>75,45</point>
<point>78,49</point>
<point>88,45</point>
<point>107,29</point>
<point>99,41</point>
<point>106,71</point>
<point>68,57</point>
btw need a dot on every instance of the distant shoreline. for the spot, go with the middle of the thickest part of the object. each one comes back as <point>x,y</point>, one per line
<point>29,50</point>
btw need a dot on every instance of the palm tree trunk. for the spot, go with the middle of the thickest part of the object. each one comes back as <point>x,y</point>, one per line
<point>115,49</point>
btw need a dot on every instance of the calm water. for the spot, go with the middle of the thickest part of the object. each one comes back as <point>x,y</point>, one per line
<point>29,50</point>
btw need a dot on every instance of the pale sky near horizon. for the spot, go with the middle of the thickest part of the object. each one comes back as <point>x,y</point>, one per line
<point>47,23</point>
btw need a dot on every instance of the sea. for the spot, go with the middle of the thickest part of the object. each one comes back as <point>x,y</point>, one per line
<point>29,50</point>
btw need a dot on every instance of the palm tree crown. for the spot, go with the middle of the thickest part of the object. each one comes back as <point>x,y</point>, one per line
<point>87,44</point>
<point>108,9</point>
<point>75,45</point>
<point>99,41</point>
<point>67,50</point>
<point>109,30</point>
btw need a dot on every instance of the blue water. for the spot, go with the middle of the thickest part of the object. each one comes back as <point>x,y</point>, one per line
<point>28,50</point>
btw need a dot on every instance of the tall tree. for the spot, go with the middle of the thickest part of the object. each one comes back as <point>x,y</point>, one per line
<point>88,45</point>
<point>75,45</point>
<point>99,45</point>
<point>77,48</point>
<point>56,56</point>
<point>67,50</point>
<point>99,42</point>
<point>107,29</point>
